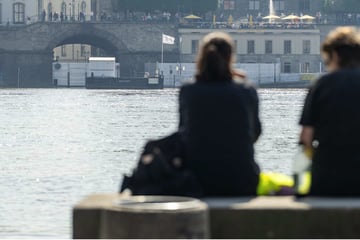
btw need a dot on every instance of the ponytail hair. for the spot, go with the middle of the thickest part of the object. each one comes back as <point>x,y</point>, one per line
<point>215,58</point>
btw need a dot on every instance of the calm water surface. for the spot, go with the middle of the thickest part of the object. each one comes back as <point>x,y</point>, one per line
<point>57,146</point>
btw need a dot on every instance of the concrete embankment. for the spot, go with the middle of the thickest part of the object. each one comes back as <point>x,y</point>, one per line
<point>100,216</point>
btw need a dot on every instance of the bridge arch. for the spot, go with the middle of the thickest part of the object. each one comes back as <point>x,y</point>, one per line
<point>26,52</point>
<point>87,34</point>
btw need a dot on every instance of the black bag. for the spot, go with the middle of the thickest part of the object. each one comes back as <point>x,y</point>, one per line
<point>162,170</point>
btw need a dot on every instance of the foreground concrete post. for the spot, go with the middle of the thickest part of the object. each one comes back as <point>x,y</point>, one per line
<point>114,216</point>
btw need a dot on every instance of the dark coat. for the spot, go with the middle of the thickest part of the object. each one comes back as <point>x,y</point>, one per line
<point>219,123</point>
<point>332,109</point>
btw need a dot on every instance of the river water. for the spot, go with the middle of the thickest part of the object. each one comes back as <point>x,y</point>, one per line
<point>59,145</point>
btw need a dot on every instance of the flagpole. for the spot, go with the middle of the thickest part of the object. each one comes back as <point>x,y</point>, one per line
<point>162,51</point>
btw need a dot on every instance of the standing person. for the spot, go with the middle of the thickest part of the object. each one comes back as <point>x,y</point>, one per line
<point>56,16</point>
<point>219,122</point>
<point>43,15</point>
<point>50,17</point>
<point>331,118</point>
<point>62,16</point>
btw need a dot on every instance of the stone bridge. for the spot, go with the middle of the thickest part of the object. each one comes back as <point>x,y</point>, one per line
<point>26,53</point>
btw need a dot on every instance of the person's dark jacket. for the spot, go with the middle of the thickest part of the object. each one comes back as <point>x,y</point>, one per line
<point>220,123</point>
<point>331,108</point>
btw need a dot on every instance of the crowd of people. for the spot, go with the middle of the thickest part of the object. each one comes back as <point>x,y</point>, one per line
<point>348,18</point>
<point>177,18</point>
<point>205,20</point>
<point>255,25</point>
<point>221,21</point>
<point>62,17</point>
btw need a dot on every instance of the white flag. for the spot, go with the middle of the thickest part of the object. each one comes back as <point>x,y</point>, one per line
<point>166,39</point>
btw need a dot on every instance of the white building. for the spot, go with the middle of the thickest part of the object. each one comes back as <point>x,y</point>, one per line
<point>18,11</point>
<point>28,11</point>
<point>298,50</point>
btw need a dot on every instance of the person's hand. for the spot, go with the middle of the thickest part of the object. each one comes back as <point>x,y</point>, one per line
<point>239,75</point>
<point>307,136</point>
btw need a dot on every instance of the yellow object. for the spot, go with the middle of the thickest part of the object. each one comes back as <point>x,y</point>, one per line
<point>304,187</point>
<point>230,20</point>
<point>291,17</point>
<point>271,183</point>
<point>307,17</point>
<point>309,77</point>
<point>192,16</point>
<point>251,20</point>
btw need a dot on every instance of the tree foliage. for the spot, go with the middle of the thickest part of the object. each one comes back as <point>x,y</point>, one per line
<point>342,6</point>
<point>195,6</point>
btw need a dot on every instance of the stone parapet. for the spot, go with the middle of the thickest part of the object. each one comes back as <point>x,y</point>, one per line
<point>258,217</point>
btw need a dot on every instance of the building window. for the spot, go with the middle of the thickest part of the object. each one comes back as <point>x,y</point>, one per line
<point>250,46</point>
<point>306,46</point>
<point>63,50</point>
<point>63,8</point>
<point>83,7</point>
<point>229,4</point>
<point>279,5</point>
<point>304,6</point>
<point>254,4</point>
<point>268,46</point>
<point>194,46</point>
<point>287,47</point>
<point>305,67</point>
<point>19,13</point>
<point>82,51</point>
<point>287,67</point>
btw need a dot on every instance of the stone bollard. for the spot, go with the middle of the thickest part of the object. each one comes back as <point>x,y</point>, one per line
<point>113,216</point>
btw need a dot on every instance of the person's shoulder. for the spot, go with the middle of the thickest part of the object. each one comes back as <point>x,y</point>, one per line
<point>347,73</point>
<point>340,74</point>
<point>323,79</point>
<point>332,78</point>
<point>188,87</point>
<point>245,85</point>
<point>188,84</point>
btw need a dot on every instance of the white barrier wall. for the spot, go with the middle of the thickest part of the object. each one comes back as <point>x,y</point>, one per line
<point>175,74</point>
<point>70,74</point>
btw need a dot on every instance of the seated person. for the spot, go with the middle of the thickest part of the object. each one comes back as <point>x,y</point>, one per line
<point>219,122</point>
